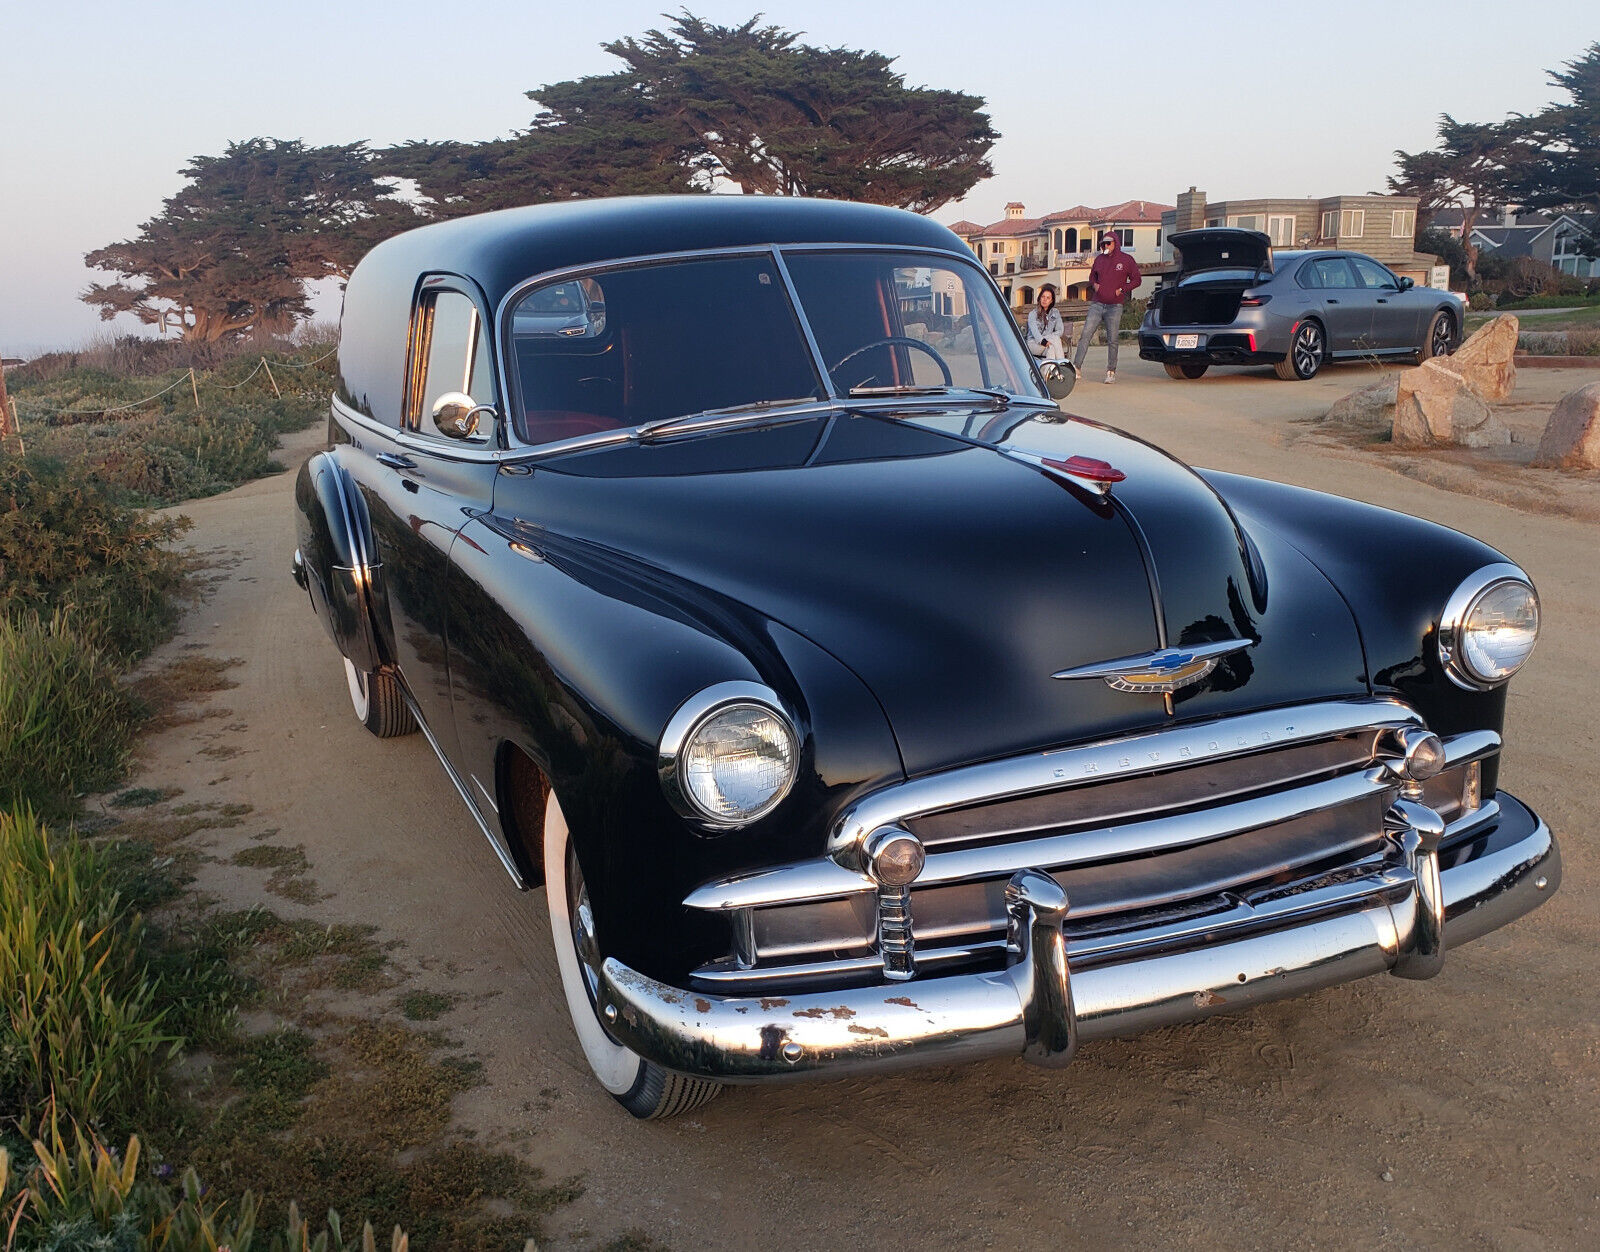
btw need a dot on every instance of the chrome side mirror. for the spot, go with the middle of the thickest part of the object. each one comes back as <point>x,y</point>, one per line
<point>1060,377</point>
<point>456,415</point>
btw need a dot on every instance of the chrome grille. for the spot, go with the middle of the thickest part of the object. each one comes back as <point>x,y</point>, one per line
<point>1183,840</point>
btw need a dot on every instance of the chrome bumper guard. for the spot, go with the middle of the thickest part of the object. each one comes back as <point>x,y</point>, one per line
<point>1399,917</point>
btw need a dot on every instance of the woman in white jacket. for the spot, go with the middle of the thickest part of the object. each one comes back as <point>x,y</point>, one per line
<point>1046,334</point>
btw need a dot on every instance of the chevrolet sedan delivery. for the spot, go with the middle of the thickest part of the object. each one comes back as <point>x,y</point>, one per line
<point>853,706</point>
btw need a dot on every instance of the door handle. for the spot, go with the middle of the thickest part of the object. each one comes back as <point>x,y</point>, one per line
<point>1330,302</point>
<point>396,460</point>
<point>1383,300</point>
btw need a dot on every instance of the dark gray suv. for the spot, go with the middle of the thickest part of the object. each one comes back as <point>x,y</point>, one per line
<point>1235,303</point>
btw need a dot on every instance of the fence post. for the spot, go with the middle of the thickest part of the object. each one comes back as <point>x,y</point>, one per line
<point>194,387</point>
<point>271,379</point>
<point>6,422</point>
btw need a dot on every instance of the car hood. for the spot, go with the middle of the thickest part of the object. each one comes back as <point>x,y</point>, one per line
<point>952,575</point>
<point>1222,247</point>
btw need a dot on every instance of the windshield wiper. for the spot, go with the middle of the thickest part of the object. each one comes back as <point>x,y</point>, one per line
<point>1001,398</point>
<point>714,419</point>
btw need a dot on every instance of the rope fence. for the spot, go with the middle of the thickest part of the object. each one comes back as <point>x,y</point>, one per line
<point>194,387</point>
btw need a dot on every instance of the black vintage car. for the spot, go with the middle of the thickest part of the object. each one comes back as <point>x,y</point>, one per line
<point>854,706</point>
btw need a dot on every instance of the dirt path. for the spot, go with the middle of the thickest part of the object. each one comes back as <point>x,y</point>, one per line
<point>1460,1112</point>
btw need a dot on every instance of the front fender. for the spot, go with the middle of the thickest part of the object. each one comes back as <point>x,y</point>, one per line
<point>578,656</point>
<point>1396,572</point>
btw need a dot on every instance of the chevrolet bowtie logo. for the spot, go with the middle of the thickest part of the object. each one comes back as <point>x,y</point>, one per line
<point>1163,671</point>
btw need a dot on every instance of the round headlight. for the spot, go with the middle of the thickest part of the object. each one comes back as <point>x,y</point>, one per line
<point>728,761</point>
<point>1489,627</point>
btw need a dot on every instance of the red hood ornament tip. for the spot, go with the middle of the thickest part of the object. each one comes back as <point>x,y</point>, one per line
<point>1101,475</point>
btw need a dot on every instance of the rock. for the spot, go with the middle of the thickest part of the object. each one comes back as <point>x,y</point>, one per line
<point>1370,408</point>
<point>1571,438</point>
<point>1486,360</point>
<point>1436,406</point>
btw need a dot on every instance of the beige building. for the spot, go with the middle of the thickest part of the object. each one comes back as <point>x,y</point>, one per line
<point>1023,253</point>
<point>1382,227</point>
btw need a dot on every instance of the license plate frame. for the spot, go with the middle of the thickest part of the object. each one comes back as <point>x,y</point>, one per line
<point>1186,343</point>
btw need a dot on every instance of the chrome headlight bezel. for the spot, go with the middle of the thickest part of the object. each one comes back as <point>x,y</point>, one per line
<point>692,717</point>
<point>1455,620</point>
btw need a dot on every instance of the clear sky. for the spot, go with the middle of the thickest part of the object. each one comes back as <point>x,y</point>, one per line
<point>101,103</point>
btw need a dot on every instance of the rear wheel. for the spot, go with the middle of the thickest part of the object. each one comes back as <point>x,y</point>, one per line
<point>1186,369</point>
<point>1307,352</point>
<point>1441,339</point>
<point>640,1086</point>
<point>378,702</point>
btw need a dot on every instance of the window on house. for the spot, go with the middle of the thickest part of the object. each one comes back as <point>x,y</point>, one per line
<point>1280,229</point>
<point>1352,223</point>
<point>1213,221</point>
<point>1158,236</point>
<point>1246,221</point>
<point>1126,236</point>
<point>1403,224</point>
<point>1330,224</point>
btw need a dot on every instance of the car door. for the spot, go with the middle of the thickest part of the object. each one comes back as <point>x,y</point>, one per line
<point>1394,316</point>
<point>423,485</point>
<point>1346,307</point>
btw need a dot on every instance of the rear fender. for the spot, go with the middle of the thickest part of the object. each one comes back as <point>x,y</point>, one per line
<point>339,560</point>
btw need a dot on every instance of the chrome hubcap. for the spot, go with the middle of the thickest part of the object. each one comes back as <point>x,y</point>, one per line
<point>1307,350</point>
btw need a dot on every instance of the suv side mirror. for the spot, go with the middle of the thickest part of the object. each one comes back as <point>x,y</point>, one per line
<point>1406,284</point>
<point>1060,377</point>
<point>456,415</point>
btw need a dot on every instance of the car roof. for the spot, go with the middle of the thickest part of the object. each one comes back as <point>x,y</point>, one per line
<point>500,250</point>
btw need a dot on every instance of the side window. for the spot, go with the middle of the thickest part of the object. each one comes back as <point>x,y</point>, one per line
<point>451,353</point>
<point>1373,276</point>
<point>1308,275</point>
<point>1333,272</point>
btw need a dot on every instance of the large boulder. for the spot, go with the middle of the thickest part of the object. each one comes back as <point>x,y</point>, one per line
<point>1487,359</point>
<point>1435,406</point>
<point>1571,438</point>
<point>1371,408</point>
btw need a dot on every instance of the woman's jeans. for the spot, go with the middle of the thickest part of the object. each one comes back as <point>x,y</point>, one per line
<point>1106,317</point>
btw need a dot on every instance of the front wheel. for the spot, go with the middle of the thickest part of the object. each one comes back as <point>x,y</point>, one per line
<point>1441,339</point>
<point>378,702</point>
<point>640,1086</point>
<point>1186,369</point>
<point>1307,351</point>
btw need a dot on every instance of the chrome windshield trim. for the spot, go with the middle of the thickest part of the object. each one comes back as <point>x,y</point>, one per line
<point>504,335</point>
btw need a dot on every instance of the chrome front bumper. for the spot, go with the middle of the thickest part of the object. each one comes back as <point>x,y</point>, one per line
<point>1040,1007</point>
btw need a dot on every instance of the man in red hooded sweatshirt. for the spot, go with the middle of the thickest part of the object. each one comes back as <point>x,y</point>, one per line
<point>1113,277</point>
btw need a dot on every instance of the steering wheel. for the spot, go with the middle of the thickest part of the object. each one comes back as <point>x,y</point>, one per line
<point>904,341</point>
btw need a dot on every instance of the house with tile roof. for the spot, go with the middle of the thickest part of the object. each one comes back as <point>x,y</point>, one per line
<point>1024,253</point>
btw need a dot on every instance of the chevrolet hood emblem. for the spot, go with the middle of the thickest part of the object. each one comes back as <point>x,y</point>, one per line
<point>1163,671</point>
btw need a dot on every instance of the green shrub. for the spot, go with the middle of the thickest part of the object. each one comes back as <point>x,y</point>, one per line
<point>68,545</point>
<point>65,721</point>
<point>82,1195</point>
<point>80,1026</point>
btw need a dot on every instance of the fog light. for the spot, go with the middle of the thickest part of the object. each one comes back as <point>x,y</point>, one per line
<point>894,856</point>
<point>1421,755</point>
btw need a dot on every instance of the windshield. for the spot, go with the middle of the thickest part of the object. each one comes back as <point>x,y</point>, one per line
<point>644,343</point>
<point>889,322</point>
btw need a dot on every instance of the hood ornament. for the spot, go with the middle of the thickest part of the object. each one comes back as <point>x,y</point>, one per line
<point>1099,475</point>
<point>1161,672</point>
